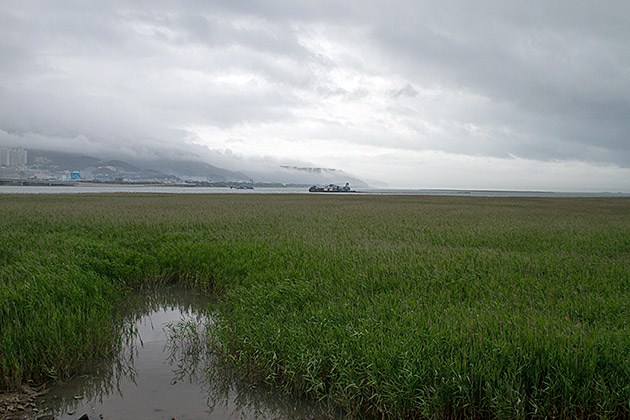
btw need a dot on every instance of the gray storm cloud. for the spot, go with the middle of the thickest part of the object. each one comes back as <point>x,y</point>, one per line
<point>546,81</point>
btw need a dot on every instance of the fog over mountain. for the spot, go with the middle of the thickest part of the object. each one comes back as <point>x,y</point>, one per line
<point>58,165</point>
<point>432,94</point>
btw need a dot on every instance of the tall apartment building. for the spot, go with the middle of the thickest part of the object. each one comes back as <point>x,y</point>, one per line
<point>13,157</point>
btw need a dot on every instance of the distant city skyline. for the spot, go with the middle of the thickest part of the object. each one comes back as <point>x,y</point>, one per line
<point>405,94</point>
<point>13,157</point>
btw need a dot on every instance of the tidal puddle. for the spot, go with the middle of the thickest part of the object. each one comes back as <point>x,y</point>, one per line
<point>166,370</point>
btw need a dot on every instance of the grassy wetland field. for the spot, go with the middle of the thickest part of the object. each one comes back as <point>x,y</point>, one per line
<point>398,307</point>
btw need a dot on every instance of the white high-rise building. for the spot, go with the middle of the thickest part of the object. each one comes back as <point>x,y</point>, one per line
<point>13,157</point>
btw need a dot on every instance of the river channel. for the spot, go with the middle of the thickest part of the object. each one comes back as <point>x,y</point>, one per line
<point>165,369</point>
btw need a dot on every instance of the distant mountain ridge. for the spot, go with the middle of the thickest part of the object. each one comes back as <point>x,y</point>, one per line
<point>156,169</point>
<point>198,171</point>
<point>164,169</point>
<point>308,175</point>
<point>311,169</point>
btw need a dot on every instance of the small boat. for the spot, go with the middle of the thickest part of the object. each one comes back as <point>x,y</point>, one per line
<point>331,188</point>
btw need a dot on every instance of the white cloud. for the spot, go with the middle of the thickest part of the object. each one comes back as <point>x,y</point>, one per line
<point>484,95</point>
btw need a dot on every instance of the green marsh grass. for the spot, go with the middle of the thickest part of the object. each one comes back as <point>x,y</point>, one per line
<point>401,307</point>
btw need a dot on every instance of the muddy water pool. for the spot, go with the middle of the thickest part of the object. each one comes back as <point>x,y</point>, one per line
<point>165,369</point>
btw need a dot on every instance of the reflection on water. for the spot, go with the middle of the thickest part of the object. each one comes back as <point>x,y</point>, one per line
<point>165,369</point>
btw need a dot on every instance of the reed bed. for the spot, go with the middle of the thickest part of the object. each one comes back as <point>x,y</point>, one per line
<point>400,307</point>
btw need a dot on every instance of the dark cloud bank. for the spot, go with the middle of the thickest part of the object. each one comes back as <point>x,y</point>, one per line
<point>546,81</point>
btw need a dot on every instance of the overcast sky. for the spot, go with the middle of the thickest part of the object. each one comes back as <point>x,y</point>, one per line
<point>426,94</point>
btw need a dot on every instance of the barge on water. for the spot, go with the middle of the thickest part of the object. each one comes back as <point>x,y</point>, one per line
<point>331,188</point>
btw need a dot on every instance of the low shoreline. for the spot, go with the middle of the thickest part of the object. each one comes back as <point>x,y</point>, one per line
<point>22,403</point>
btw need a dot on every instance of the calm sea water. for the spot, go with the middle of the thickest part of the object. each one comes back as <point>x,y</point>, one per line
<point>97,189</point>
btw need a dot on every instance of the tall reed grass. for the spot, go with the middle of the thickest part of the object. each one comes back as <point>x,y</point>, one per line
<point>405,307</point>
